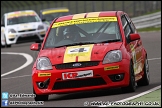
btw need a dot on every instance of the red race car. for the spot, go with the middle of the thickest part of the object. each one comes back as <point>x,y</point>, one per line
<point>89,51</point>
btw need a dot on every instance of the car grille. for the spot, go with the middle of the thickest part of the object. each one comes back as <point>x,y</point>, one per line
<point>70,65</point>
<point>27,30</point>
<point>78,83</point>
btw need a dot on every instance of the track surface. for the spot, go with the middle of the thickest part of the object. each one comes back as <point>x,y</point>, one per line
<point>13,84</point>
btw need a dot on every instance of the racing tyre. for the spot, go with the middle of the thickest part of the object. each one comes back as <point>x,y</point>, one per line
<point>146,78</point>
<point>7,45</point>
<point>2,46</point>
<point>40,97</point>
<point>132,84</point>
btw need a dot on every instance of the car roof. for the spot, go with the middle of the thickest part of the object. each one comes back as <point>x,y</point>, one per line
<point>21,11</point>
<point>59,8</point>
<point>89,14</point>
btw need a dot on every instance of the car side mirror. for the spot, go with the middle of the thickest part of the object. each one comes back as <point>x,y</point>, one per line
<point>43,20</point>
<point>2,25</point>
<point>134,36</point>
<point>35,47</point>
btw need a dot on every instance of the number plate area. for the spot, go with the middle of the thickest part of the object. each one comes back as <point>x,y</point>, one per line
<point>75,75</point>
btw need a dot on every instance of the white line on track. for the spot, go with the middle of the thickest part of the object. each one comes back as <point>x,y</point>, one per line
<point>136,96</point>
<point>141,94</point>
<point>154,58</point>
<point>16,77</point>
<point>28,57</point>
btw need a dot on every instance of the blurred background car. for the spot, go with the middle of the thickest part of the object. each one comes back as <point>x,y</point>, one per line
<point>21,26</point>
<point>47,15</point>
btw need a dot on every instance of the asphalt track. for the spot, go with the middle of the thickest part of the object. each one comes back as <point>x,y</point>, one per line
<point>20,81</point>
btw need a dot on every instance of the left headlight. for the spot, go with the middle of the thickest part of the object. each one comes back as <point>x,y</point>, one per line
<point>40,27</point>
<point>11,31</point>
<point>112,56</point>
<point>43,63</point>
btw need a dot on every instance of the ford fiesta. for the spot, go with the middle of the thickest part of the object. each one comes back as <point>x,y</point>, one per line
<point>89,51</point>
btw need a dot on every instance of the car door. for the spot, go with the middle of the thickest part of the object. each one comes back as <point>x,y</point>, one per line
<point>134,47</point>
<point>139,47</point>
<point>2,31</point>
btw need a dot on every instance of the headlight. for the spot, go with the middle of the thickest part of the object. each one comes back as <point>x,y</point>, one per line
<point>11,31</point>
<point>40,27</point>
<point>112,56</point>
<point>43,63</point>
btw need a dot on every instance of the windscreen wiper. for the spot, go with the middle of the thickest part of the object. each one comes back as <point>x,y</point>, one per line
<point>78,43</point>
<point>114,40</point>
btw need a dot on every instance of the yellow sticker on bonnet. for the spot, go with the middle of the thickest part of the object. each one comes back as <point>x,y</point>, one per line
<point>44,74</point>
<point>78,53</point>
<point>111,68</point>
<point>84,20</point>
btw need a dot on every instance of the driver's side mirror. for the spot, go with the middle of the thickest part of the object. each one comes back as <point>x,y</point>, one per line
<point>2,24</point>
<point>35,47</point>
<point>43,20</point>
<point>134,36</point>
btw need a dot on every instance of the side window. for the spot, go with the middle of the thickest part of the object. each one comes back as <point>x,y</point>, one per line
<point>2,21</point>
<point>126,27</point>
<point>124,21</point>
<point>131,24</point>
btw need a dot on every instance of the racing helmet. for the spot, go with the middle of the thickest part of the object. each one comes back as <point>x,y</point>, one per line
<point>69,33</point>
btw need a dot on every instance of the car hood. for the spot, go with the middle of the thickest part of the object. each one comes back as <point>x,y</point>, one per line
<point>90,52</point>
<point>25,26</point>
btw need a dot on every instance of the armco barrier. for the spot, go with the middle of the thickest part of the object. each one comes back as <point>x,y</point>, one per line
<point>147,20</point>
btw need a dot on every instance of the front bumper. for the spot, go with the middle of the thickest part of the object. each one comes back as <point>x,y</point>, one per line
<point>15,37</point>
<point>101,79</point>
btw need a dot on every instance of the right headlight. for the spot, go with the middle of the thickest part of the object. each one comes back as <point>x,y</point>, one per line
<point>40,27</point>
<point>11,31</point>
<point>43,63</point>
<point>112,56</point>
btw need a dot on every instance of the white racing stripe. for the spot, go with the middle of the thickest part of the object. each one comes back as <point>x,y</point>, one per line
<point>28,62</point>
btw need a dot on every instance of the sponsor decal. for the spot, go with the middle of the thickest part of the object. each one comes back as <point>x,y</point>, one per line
<point>18,14</point>
<point>11,36</point>
<point>83,21</point>
<point>134,57</point>
<point>80,74</point>
<point>54,11</point>
<point>44,74</point>
<point>78,53</point>
<point>111,68</point>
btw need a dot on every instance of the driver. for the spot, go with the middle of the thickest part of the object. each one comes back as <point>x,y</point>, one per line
<point>69,33</point>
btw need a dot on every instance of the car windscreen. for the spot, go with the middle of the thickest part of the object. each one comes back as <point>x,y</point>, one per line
<point>83,31</point>
<point>22,19</point>
<point>52,16</point>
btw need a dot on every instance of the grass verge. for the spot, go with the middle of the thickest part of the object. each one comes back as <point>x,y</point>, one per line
<point>149,29</point>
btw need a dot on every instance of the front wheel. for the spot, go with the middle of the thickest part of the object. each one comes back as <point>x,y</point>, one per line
<point>132,84</point>
<point>7,45</point>
<point>40,97</point>
<point>146,77</point>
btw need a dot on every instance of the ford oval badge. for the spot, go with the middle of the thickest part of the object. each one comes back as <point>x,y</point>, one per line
<point>77,64</point>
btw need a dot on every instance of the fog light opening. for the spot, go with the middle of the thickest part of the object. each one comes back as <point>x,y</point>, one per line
<point>44,85</point>
<point>41,85</point>
<point>118,77</point>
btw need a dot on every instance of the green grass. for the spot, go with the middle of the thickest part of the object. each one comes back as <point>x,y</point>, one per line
<point>152,12</point>
<point>149,29</point>
<point>152,99</point>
